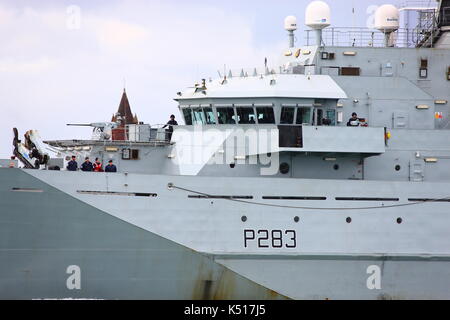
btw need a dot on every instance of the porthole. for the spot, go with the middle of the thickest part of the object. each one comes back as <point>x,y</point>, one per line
<point>336,167</point>
<point>243,218</point>
<point>269,155</point>
<point>399,220</point>
<point>296,219</point>
<point>397,167</point>
<point>284,168</point>
<point>232,165</point>
<point>348,220</point>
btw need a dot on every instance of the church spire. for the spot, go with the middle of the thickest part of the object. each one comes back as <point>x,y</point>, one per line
<point>125,111</point>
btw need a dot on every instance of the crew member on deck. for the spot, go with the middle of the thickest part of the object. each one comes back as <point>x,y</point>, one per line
<point>12,163</point>
<point>353,121</point>
<point>98,166</point>
<point>110,167</point>
<point>87,165</point>
<point>172,122</point>
<point>72,165</point>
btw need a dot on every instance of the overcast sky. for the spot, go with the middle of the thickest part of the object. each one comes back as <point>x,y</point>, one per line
<point>66,61</point>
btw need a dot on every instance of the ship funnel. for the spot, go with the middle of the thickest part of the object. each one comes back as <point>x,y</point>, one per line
<point>290,25</point>
<point>387,20</point>
<point>318,17</point>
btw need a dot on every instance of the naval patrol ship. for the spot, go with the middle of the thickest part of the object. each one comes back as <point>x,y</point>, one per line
<point>270,190</point>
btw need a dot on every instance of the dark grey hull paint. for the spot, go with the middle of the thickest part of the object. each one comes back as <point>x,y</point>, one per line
<point>42,233</point>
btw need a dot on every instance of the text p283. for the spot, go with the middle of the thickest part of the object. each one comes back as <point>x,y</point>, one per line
<point>270,238</point>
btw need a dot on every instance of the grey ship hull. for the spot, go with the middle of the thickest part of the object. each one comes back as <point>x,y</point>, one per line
<point>41,237</point>
<point>43,230</point>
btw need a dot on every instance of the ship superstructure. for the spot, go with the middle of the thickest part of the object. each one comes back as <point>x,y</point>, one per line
<point>271,188</point>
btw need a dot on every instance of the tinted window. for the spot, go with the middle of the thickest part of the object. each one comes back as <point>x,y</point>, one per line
<point>303,115</point>
<point>331,116</point>
<point>225,116</point>
<point>199,116</point>
<point>246,115</point>
<point>209,114</point>
<point>318,117</point>
<point>187,113</point>
<point>287,115</point>
<point>265,115</point>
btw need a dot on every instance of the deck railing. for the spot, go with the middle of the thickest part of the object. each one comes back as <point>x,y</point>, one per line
<point>365,37</point>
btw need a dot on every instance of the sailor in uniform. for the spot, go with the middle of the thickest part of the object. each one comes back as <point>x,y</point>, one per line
<point>353,121</point>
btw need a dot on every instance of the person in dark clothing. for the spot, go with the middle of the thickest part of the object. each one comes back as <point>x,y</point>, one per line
<point>353,121</point>
<point>110,167</point>
<point>87,165</point>
<point>326,122</point>
<point>172,122</point>
<point>72,165</point>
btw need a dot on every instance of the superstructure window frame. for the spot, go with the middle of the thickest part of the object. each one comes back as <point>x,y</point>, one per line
<point>332,118</point>
<point>198,116</point>
<point>187,115</point>
<point>287,115</point>
<point>246,115</point>
<point>229,112</point>
<point>203,115</point>
<point>210,116</point>
<point>270,115</point>
<point>318,116</point>
<point>309,118</point>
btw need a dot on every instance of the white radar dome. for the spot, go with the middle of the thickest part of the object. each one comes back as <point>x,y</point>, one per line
<point>318,15</point>
<point>290,23</point>
<point>387,18</point>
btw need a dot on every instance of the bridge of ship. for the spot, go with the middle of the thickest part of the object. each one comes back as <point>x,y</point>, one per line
<point>303,109</point>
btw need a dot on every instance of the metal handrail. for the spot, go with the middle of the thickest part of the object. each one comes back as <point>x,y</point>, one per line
<point>366,37</point>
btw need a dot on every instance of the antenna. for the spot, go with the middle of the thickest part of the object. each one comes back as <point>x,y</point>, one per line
<point>290,25</point>
<point>387,20</point>
<point>353,15</point>
<point>318,17</point>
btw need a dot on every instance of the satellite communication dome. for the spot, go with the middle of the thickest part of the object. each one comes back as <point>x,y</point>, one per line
<point>290,23</point>
<point>318,15</point>
<point>387,18</point>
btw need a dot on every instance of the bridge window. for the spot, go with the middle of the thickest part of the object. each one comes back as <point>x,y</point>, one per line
<point>265,115</point>
<point>187,113</point>
<point>303,115</point>
<point>209,114</point>
<point>226,116</point>
<point>203,116</point>
<point>287,115</point>
<point>246,115</point>
<point>199,116</point>
<point>318,117</point>
<point>331,117</point>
